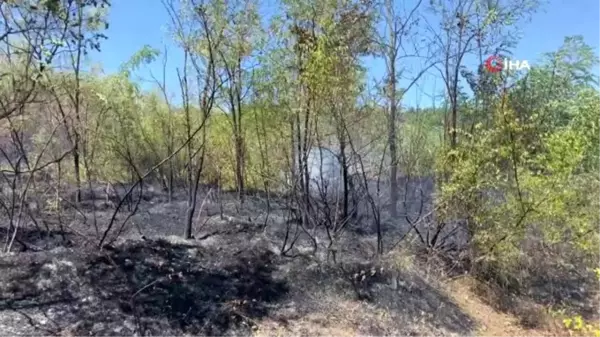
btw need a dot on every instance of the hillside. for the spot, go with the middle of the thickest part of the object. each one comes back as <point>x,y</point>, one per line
<point>299,167</point>
<point>232,279</point>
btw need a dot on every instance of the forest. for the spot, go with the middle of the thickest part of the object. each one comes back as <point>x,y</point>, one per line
<point>277,189</point>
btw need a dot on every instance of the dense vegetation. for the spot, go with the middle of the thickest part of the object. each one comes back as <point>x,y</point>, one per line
<point>514,155</point>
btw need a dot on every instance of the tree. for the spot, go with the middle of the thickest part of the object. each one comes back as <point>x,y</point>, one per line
<point>199,35</point>
<point>32,37</point>
<point>467,27</point>
<point>240,33</point>
<point>392,43</point>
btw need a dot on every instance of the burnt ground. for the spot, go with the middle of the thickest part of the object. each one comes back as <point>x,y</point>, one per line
<point>163,287</point>
<point>230,280</point>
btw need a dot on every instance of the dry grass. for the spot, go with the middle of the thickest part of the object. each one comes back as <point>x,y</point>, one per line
<point>479,301</point>
<point>342,317</point>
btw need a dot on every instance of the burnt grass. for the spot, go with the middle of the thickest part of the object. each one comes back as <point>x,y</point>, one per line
<point>157,287</point>
<point>147,288</point>
<point>148,281</point>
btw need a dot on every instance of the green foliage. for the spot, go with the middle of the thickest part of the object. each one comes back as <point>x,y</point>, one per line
<point>144,56</point>
<point>532,167</point>
<point>420,141</point>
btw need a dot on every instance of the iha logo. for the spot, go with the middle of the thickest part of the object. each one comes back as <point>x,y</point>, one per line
<point>495,64</point>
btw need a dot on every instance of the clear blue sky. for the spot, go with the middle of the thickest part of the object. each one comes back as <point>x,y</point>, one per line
<point>135,23</point>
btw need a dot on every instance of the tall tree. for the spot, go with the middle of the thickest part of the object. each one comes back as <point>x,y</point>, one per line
<point>468,27</point>
<point>199,35</point>
<point>240,25</point>
<point>85,20</point>
<point>395,40</point>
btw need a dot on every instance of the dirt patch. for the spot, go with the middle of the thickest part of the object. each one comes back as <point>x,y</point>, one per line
<point>492,322</point>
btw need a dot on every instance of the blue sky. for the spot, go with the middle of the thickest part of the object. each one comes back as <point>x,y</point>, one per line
<point>135,23</point>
